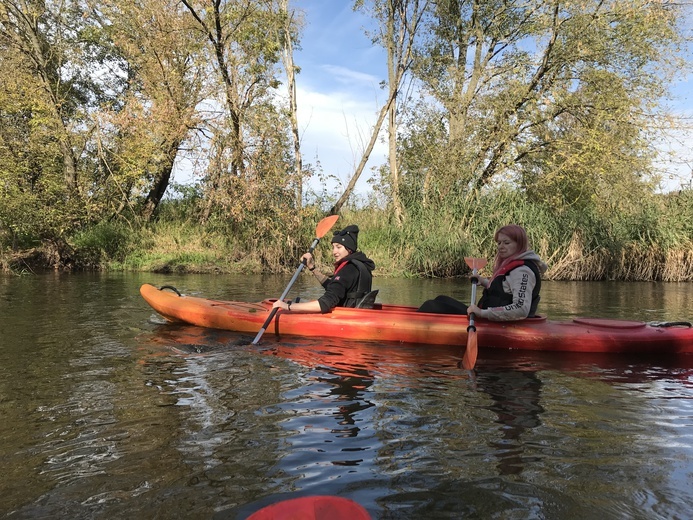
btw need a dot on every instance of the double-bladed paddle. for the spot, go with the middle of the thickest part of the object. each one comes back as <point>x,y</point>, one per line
<point>323,227</point>
<point>470,353</point>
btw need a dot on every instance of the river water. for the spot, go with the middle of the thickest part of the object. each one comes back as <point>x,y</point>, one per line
<point>108,412</point>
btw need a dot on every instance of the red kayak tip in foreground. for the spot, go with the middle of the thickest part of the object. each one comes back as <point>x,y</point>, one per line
<point>313,508</point>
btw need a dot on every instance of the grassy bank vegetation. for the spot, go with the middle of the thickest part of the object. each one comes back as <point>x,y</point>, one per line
<point>652,241</point>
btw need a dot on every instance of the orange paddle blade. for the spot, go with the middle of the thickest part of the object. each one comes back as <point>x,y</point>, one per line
<point>475,263</point>
<point>325,225</point>
<point>470,353</point>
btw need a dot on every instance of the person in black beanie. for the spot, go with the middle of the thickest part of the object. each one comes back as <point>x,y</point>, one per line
<point>349,283</point>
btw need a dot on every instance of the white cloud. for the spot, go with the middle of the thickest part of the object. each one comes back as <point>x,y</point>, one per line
<point>350,77</point>
<point>335,129</point>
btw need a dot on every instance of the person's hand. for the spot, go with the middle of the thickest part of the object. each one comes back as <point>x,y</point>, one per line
<point>473,309</point>
<point>480,280</point>
<point>280,305</point>
<point>308,260</point>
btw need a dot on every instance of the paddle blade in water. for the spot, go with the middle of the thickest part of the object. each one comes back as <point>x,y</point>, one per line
<point>470,353</point>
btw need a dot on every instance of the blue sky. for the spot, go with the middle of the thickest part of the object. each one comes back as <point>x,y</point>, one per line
<point>339,95</point>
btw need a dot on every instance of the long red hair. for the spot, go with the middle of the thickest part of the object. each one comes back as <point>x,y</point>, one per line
<point>518,235</point>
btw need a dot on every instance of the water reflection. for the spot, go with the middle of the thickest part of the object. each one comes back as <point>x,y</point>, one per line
<point>349,394</point>
<point>338,386</point>
<point>328,399</point>
<point>338,396</point>
<point>516,399</point>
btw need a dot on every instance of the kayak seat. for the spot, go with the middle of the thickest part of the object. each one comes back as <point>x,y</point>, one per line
<point>368,301</point>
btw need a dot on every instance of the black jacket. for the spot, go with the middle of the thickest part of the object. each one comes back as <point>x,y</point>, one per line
<point>351,281</point>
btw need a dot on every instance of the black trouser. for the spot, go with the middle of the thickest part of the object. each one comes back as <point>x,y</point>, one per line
<point>443,305</point>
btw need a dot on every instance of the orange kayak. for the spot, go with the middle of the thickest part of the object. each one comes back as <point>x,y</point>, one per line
<point>402,324</point>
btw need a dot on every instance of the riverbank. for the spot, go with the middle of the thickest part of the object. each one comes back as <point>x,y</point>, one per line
<point>185,247</point>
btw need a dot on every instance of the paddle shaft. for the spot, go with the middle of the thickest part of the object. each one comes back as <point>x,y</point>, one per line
<point>286,291</point>
<point>471,316</point>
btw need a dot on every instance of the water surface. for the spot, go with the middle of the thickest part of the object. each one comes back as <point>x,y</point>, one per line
<point>109,412</point>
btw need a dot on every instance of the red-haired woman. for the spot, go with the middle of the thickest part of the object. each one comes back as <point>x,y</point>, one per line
<point>512,292</point>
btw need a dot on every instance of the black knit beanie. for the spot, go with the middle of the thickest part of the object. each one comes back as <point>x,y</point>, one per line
<point>348,237</point>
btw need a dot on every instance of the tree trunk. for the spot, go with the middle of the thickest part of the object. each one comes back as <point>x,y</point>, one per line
<point>161,182</point>
<point>366,155</point>
<point>392,66</point>
<point>293,105</point>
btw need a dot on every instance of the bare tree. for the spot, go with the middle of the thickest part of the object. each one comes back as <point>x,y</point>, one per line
<point>287,38</point>
<point>398,24</point>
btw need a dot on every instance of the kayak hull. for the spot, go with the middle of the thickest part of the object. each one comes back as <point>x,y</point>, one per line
<point>396,323</point>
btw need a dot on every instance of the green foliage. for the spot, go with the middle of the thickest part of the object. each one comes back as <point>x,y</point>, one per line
<point>183,204</point>
<point>104,242</point>
<point>651,242</point>
<point>176,245</point>
<point>555,99</point>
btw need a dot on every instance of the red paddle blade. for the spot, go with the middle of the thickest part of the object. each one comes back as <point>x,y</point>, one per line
<point>475,263</point>
<point>325,225</point>
<point>470,353</point>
